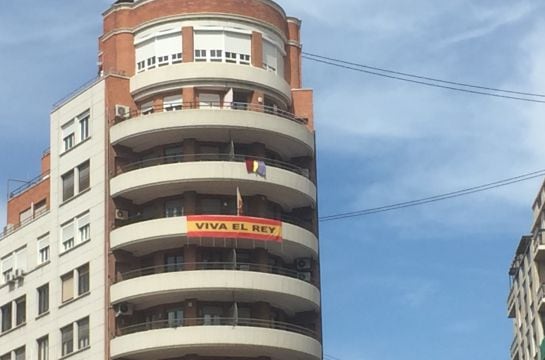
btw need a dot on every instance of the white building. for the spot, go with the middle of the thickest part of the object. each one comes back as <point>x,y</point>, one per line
<point>133,243</point>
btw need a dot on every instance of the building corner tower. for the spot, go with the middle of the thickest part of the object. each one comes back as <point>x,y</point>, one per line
<point>210,214</point>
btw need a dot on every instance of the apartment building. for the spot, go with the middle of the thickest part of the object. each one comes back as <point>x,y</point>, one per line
<point>175,214</point>
<point>526,301</point>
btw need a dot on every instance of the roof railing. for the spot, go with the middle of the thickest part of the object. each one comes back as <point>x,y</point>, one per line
<point>27,185</point>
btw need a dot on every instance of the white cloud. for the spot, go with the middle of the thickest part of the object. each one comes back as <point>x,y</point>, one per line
<point>484,20</point>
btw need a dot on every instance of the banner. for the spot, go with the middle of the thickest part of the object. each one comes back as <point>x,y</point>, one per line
<point>234,227</point>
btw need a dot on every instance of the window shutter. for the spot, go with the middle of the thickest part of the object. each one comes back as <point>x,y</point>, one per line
<point>67,232</point>
<point>145,50</point>
<point>68,128</point>
<point>238,43</point>
<point>84,220</point>
<point>209,40</point>
<point>20,259</point>
<point>43,242</point>
<point>168,44</point>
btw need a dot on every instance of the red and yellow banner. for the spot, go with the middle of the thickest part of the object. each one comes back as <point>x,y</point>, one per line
<point>234,227</point>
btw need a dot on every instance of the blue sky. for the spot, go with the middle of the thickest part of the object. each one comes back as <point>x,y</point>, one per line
<point>420,283</point>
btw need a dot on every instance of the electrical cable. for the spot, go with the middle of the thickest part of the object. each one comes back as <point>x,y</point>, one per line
<point>475,92</point>
<point>423,77</point>
<point>436,198</point>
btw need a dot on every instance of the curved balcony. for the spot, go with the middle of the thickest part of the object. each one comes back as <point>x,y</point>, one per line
<point>240,122</point>
<point>148,236</point>
<point>241,338</point>
<point>216,284</point>
<point>168,77</point>
<point>145,181</point>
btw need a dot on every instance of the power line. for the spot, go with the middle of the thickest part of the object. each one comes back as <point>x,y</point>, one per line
<point>475,92</point>
<point>435,198</point>
<point>423,77</point>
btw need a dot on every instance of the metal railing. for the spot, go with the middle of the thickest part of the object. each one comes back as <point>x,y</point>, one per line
<point>216,321</point>
<point>194,266</point>
<point>10,229</point>
<point>172,159</point>
<point>239,106</point>
<point>27,185</point>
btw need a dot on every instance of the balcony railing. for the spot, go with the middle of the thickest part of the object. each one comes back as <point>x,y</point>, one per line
<point>239,106</point>
<point>10,229</point>
<point>217,321</point>
<point>305,224</point>
<point>172,159</point>
<point>234,266</point>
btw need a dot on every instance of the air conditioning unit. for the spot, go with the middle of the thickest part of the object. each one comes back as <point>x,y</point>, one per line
<point>123,309</point>
<point>121,214</point>
<point>10,277</point>
<point>305,276</point>
<point>303,264</point>
<point>122,112</point>
<point>19,274</point>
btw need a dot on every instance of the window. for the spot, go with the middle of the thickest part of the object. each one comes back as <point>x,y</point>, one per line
<point>83,126</point>
<point>75,231</point>
<point>174,263</point>
<point>68,135</point>
<point>84,227</point>
<point>230,57</point>
<point>43,299</point>
<point>20,353</point>
<point>68,185</point>
<point>175,317</point>
<point>273,57</point>
<point>68,236</point>
<point>159,49</point>
<point>67,287</point>
<point>7,267</point>
<point>83,172</point>
<point>83,279</point>
<point>6,356</point>
<point>209,100</point>
<point>43,348</point>
<point>43,249</point>
<point>244,59</point>
<point>83,333</point>
<point>67,339</point>
<point>25,215</point>
<point>172,103</point>
<point>20,311</point>
<point>173,208</point>
<point>200,55</point>
<point>146,108</point>
<point>216,55</point>
<point>177,58</point>
<point>173,154</point>
<point>6,317</point>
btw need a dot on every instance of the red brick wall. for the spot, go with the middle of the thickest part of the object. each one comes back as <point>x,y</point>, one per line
<point>130,18</point>
<point>303,105</point>
<point>23,201</point>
